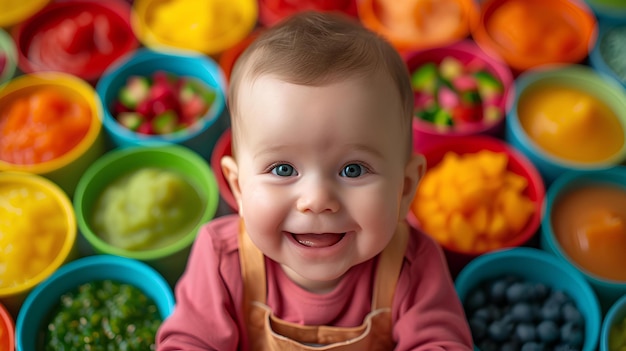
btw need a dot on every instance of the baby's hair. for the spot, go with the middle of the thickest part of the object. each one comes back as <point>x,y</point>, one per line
<point>314,49</point>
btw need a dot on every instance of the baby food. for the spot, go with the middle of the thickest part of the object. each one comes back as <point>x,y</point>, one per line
<point>103,315</point>
<point>162,103</point>
<point>512,313</point>
<point>617,336</point>
<point>33,228</point>
<point>570,124</point>
<point>589,223</point>
<point>42,126</point>
<point>147,208</point>
<point>451,94</point>
<point>613,50</point>
<point>472,202</point>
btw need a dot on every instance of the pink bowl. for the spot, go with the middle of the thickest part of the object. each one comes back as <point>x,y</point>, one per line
<point>467,52</point>
<point>223,148</point>
<point>517,163</point>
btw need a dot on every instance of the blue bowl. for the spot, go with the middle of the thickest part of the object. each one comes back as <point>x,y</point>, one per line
<point>577,76</point>
<point>39,302</point>
<point>202,137</point>
<point>538,266</point>
<point>616,314</point>
<point>608,291</point>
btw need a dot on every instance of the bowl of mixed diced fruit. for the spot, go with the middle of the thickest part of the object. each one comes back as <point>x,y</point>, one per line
<point>459,91</point>
<point>151,98</point>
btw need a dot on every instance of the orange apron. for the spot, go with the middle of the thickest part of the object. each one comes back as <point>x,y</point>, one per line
<point>266,332</point>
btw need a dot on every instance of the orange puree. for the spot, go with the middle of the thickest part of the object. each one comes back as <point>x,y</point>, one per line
<point>530,27</point>
<point>570,124</point>
<point>590,224</point>
<point>41,126</point>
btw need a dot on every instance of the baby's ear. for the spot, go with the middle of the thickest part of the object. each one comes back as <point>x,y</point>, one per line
<point>230,169</point>
<point>413,172</point>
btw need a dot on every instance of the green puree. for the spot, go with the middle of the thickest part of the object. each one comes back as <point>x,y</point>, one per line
<point>148,208</point>
<point>103,315</point>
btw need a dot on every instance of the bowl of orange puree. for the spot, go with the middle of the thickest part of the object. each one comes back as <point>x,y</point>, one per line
<point>585,225</point>
<point>568,118</point>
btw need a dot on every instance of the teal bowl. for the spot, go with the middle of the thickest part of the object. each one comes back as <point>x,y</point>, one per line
<point>610,34</point>
<point>615,315</point>
<point>537,266</point>
<point>582,78</point>
<point>202,136</point>
<point>608,291</point>
<point>38,304</point>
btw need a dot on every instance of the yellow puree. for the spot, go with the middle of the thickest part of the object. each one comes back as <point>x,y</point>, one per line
<point>148,208</point>
<point>32,231</point>
<point>570,124</point>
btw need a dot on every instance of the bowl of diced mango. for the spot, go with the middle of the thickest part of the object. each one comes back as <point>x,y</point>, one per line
<point>477,195</point>
<point>38,229</point>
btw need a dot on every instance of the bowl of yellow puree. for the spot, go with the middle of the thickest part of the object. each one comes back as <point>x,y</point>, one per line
<point>568,118</point>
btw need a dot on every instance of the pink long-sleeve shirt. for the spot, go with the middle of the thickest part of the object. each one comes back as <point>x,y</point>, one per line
<point>426,312</point>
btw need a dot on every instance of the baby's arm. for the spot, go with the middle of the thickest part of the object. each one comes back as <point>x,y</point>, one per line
<point>205,316</point>
<point>427,313</point>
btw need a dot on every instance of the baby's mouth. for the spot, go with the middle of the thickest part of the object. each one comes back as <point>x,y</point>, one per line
<point>318,240</point>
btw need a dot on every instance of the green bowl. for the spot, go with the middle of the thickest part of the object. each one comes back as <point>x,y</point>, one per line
<point>170,260</point>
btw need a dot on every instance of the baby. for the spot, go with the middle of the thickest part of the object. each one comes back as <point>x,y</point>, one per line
<point>319,256</point>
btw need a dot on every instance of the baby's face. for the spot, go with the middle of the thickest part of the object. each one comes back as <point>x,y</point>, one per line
<point>321,173</point>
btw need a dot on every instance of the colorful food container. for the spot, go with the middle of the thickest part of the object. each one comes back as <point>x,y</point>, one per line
<point>608,10</point>
<point>7,330</point>
<point>533,266</point>
<point>464,72</point>
<point>478,195</point>
<point>79,37</point>
<point>607,54</point>
<point>585,225</point>
<point>223,148</point>
<point>568,118</point>
<point>418,25</point>
<point>273,11</point>
<point>530,33</point>
<point>39,234</point>
<point>40,303</point>
<point>13,12</point>
<point>69,108</point>
<point>8,57</point>
<point>202,135</point>
<point>168,191</point>
<point>228,58</point>
<point>612,337</point>
<point>210,27</point>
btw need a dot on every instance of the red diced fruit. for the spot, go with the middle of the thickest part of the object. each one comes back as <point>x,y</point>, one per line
<point>76,34</point>
<point>162,104</point>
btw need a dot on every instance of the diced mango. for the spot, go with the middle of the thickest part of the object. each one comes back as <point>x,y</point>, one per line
<point>462,232</point>
<point>497,228</point>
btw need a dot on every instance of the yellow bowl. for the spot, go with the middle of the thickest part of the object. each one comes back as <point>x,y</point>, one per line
<point>15,11</point>
<point>211,28</point>
<point>66,169</point>
<point>41,200</point>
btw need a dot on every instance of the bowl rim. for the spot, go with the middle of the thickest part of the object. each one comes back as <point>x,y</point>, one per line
<point>222,148</point>
<point>560,185</point>
<point>122,263</point>
<point>596,59</point>
<point>495,64</point>
<point>65,252</point>
<point>534,178</point>
<point>7,322</point>
<point>119,8</point>
<point>140,57</point>
<point>618,307</point>
<point>7,46</point>
<point>20,12</point>
<point>65,81</point>
<point>572,72</point>
<point>120,154</point>
<point>463,282</point>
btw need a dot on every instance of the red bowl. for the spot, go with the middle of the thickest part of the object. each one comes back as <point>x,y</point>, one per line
<point>228,58</point>
<point>7,326</point>
<point>273,11</point>
<point>223,148</point>
<point>79,37</point>
<point>517,164</point>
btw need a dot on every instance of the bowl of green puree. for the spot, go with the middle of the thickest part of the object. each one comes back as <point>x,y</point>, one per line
<point>99,302</point>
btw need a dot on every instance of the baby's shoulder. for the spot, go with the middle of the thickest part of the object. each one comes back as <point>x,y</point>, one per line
<point>221,233</point>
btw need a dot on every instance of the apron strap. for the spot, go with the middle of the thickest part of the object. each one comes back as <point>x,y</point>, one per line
<point>252,263</point>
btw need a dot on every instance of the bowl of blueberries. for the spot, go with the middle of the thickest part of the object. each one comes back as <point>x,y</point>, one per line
<point>525,299</point>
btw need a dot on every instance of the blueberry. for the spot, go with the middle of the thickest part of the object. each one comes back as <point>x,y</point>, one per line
<point>478,327</point>
<point>525,332</point>
<point>475,300</point>
<point>510,346</point>
<point>488,345</point>
<point>565,347</point>
<point>560,297</point>
<point>551,311</point>
<point>499,331</point>
<point>532,346</point>
<point>572,334</point>
<point>571,314</point>
<point>522,312</point>
<point>540,291</point>
<point>497,291</point>
<point>548,331</point>
<point>518,292</point>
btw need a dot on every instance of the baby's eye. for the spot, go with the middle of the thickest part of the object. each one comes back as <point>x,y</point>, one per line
<point>283,170</point>
<point>353,170</point>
